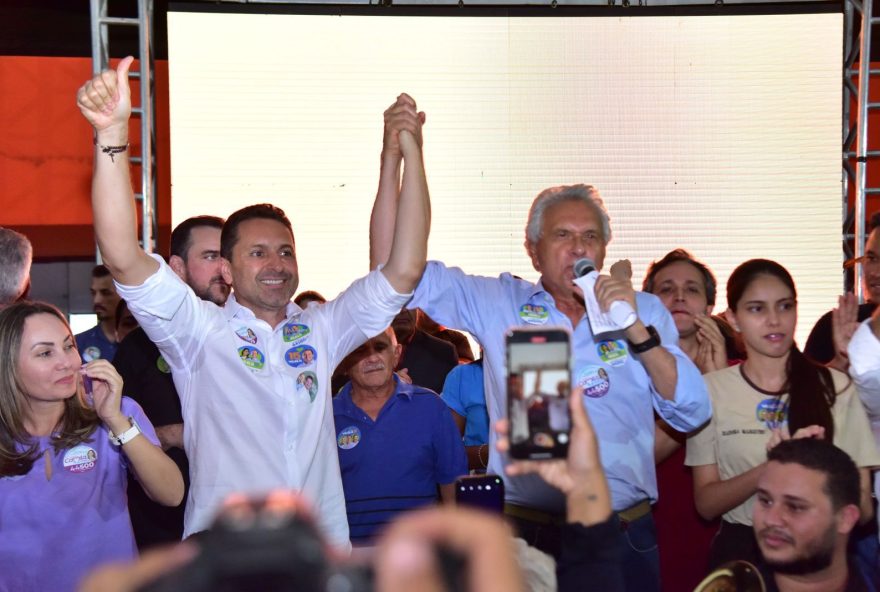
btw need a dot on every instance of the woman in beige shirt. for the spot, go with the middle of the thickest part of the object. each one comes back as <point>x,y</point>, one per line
<point>777,393</point>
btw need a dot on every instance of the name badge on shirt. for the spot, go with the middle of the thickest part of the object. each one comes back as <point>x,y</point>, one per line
<point>534,314</point>
<point>252,357</point>
<point>348,438</point>
<point>613,352</point>
<point>772,412</point>
<point>594,380</point>
<point>295,333</point>
<point>80,459</point>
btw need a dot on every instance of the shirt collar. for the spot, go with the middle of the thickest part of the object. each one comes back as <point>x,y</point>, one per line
<point>234,310</point>
<point>347,407</point>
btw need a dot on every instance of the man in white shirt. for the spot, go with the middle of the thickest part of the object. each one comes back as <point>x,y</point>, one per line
<point>864,368</point>
<point>250,424</point>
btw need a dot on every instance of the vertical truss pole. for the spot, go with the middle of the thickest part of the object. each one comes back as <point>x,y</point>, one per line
<point>145,41</point>
<point>100,61</point>
<point>849,92</point>
<point>862,141</point>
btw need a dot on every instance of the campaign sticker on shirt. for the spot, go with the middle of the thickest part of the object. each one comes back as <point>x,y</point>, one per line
<point>80,459</point>
<point>613,351</point>
<point>772,412</point>
<point>247,334</point>
<point>534,314</point>
<point>308,382</point>
<point>594,380</point>
<point>252,357</point>
<point>295,333</point>
<point>162,365</point>
<point>91,353</point>
<point>300,355</point>
<point>348,438</point>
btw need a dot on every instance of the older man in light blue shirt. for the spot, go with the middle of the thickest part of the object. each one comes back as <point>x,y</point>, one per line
<point>626,375</point>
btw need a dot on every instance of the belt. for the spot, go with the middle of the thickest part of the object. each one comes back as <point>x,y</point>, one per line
<point>533,515</point>
<point>631,514</point>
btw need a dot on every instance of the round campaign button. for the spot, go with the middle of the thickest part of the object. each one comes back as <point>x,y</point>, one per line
<point>91,353</point>
<point>295,333</point>
<point>80,459</point>
<point>162,365</point>
<point>300,355</point>
<point>348,438</point>
<point>594,380</point>
<point>772,412</point>
<point>613,352</point>
<point>534,314</point>
<point>252,357</point>
<point>246,334</point>
<point>308,382</point>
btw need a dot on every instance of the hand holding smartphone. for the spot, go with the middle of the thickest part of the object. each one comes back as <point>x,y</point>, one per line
<point>87,389</point>
<point>538,388</point>
<point>481,491</point>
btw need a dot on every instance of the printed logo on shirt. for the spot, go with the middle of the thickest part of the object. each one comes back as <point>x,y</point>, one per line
<point>295,333</point>
<point>247,334</point>
<point>162,365</point>
<point>301,355</point>
<point>252,357</point>
<point>308,382</point>
<point>91,353</point>
<point>594,380</point>
<point>80,459</point>
<point>772,412</point>
<point>534,314</point>
<point>613,351</point>
<point>348,438</point>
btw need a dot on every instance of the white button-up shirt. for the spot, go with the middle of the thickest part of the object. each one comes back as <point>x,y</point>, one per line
<point>256,399</point>
<point>864,368</point>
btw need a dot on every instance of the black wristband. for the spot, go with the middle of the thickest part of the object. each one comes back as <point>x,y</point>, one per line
<point>650,343</point>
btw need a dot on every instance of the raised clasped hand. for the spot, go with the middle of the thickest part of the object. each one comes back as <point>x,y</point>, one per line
<point>402,116</point>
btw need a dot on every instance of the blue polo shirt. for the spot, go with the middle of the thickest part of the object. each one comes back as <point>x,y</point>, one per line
<point>94,345</point>
<point>395,463</point>
<point>463,392</point>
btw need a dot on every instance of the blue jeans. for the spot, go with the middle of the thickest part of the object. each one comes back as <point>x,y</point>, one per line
<point>641,560</point>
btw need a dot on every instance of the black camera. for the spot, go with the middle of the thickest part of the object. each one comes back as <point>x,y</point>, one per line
<point>254,546</point>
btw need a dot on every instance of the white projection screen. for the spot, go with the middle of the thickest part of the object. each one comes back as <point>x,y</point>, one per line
<point>718,134</point>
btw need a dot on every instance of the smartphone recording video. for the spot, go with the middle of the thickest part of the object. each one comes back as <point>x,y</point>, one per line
<point>538,387</point>
<point>481,491</point>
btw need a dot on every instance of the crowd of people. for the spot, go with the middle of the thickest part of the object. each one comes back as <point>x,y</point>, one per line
<point>697,442</point>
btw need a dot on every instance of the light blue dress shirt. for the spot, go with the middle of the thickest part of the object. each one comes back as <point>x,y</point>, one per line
<point>620,397</point>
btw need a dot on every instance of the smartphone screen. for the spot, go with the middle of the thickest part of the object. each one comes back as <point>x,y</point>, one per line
<point>538,387</point>
<point>481,491</point>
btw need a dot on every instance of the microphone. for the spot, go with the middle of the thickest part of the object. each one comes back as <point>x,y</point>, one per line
<point>620,314</point>
<point>583,266</point>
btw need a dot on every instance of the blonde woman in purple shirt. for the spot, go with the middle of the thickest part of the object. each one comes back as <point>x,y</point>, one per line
<point>64,455</point>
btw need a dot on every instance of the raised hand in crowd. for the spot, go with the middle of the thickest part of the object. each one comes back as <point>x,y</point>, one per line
<point>712,351</point>
<point>844,322</point>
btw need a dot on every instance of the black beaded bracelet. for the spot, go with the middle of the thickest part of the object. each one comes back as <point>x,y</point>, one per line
<point>111,150</point>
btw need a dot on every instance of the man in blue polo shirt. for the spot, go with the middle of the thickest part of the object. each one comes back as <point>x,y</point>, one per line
<point>397,442</point>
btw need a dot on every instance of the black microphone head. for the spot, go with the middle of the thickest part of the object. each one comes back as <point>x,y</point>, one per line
<point>583,266</point>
